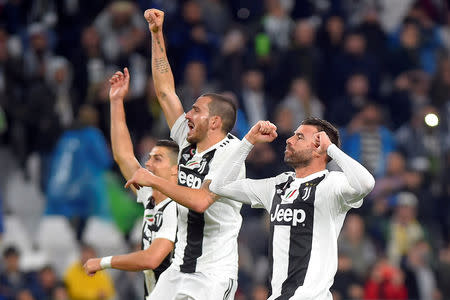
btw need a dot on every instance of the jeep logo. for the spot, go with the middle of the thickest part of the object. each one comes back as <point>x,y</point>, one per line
<point>288,216</point>
<point>189,180</point>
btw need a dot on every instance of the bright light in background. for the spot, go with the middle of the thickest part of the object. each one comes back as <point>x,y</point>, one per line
<point>431,120</point>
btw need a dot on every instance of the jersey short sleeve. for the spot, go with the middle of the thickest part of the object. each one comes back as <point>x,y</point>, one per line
<point>179,131</point>
<point>168,228</point>
<point>143,194</point>
<point>223,157</point>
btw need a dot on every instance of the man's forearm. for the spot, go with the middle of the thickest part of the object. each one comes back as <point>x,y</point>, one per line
<point>148,259</point>
<point>122,146</point>
<point>120,136</point>
<point>161,71</point>
<point>195,199</point>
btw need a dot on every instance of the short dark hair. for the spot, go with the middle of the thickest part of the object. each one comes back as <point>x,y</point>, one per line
<point>327,127</point>
<point>223,107</point>
<point>10,251</point>
<point>173,148</point>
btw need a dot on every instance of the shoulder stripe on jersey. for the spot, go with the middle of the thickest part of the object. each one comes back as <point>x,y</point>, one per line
<point>168,259</point>
<point>194,243</point>
<point>229,288</point>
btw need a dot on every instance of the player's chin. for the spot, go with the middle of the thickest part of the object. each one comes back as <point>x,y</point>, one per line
<point>191,137</point>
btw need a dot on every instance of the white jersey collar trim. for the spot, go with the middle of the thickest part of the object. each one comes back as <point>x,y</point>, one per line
<point>311,176</point>
<point>212,147</point>
<point>162,203</point>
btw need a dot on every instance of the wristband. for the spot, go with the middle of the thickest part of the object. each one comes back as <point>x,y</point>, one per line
<point>105,262</point>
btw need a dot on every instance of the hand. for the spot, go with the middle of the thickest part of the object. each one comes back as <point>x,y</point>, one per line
<point>262,132</point>
<point>92,266</point>
<point>321,141</point>
<point>119,85</point>
<point>155,19</point>
<point>142,177</point>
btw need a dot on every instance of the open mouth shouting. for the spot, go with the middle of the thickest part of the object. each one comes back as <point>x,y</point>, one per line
<point>191,127</point>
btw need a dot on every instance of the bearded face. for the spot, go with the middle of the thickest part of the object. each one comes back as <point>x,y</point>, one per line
<point>299,158</point>
<point>300,147</point>
<point>198,120</point>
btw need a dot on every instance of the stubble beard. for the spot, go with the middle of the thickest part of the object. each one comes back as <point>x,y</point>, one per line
<point>299,159</point>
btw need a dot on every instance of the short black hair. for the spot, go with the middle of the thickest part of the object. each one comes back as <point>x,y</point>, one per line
<point>173,148</point>
<point>223,107</point>
<point>327,127</point>
<point>9,251</point>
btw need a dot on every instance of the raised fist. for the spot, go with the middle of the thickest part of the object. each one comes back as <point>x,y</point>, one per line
<point>262,132</point>
<point>155,19</point>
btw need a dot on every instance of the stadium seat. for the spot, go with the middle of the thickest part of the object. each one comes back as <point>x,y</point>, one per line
<point>16,235</point>
<point>104,237</point>
<point>57,239</point>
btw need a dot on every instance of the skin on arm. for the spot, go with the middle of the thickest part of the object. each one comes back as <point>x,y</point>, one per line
<point>161,71</point>
<point>148,259</point>
<point>197,199</point>
<point>122,146</point>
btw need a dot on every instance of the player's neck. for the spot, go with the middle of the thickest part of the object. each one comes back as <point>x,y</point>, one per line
<point>210,140</point>
<point>158,196</point>
<point>304,171</point>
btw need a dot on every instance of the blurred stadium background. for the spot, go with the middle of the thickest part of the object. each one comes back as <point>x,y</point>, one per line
<point>379,69</point>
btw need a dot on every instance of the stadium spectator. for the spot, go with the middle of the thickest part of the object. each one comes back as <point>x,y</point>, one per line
<point>404,229</point>
<point>357,246</point>
<point>81,286</point>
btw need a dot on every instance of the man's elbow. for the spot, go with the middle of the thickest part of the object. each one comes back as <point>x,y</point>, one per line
<point>119,159</point>
<point>368,185</point>
<point>150,261</point>
<point>151,264</point>
<point>200,207</point>
<point>202,204</point>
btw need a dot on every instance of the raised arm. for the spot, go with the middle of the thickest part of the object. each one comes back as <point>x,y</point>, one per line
<point>360,181</point>
<point>161,71</point>
<point>200,199</point>
<point>243,190</point>
<point>122,146</point>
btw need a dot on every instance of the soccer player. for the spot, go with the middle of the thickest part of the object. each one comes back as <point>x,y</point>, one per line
<point>206,260</point>
<point>160,216</point>
<point>307,207</point>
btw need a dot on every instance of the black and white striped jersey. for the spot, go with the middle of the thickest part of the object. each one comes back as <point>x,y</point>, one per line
<point>160,221</point>
<point>206,242</point>
<point>306,216</point>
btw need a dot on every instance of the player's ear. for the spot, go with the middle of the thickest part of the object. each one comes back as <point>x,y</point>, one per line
<point>215,122</point>
<point>174,170</point>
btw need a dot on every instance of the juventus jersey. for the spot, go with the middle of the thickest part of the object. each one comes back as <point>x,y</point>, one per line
<point>306,216</point>
<point>206,242</point>
<point>160,221</point>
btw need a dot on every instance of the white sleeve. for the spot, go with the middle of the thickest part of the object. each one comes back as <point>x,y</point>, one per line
<point>143,194</point>
<point>256,192</point>
<point>247,191</point>
<point>223,161</point>
<point>358,182</point>
<point>179,130</point>
<point>168,229</point>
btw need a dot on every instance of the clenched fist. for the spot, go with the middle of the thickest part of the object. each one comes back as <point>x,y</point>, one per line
<point>262,132</point>
<point>155,19</point>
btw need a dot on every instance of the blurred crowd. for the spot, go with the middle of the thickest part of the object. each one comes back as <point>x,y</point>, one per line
<point>378,69</point>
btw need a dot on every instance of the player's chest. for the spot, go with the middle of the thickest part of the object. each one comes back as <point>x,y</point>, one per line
<point>193,168</point>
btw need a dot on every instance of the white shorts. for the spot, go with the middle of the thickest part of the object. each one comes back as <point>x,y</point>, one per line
<point>175,285</point>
